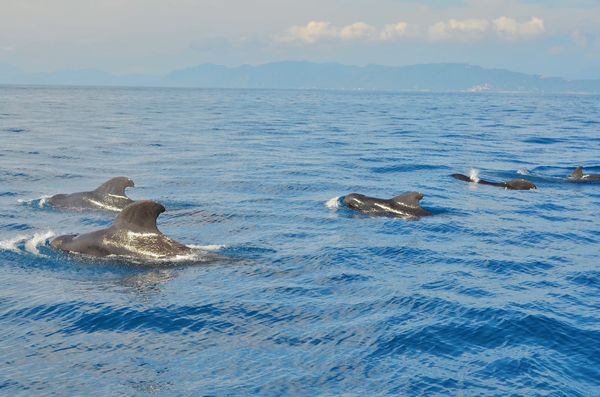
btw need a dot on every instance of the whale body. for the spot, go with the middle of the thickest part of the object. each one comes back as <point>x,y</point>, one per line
<point>133,234</point>
<point>109,196</point>
<point>404,206</point>
<point>579,176</point>
<point>515,184</point>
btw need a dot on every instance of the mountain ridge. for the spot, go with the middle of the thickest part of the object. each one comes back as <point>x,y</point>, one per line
<point>444,77</point>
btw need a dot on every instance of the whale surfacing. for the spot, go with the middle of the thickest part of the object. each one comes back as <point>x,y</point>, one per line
<point>109,196</point>
<point>515,184</point>
<point>579,176</point>
<point>404,206</point>
<point>133,234</point>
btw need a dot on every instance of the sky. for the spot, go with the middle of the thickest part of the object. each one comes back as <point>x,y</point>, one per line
<point>547,37</point>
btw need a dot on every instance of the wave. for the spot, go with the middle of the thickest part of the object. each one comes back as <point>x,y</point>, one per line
<point>334,203</point>
<point>39,202</point>
<point>210,247</point>
<point>27,243</point>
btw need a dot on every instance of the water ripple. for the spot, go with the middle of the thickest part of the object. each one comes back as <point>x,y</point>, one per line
<point>497,293</point>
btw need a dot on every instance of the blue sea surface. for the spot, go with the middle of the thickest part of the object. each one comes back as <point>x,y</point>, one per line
<point>497,293</point>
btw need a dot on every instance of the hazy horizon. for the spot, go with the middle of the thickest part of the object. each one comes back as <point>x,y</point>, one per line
<point>440,77</point>
<point>552,38</point>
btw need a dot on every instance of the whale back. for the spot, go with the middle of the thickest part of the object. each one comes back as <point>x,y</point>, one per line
<point>578,173</point>
<point>520,184</point>
<point>462,177</point>
<point>140,217</point>
<point>410,199</point>
<point>115,186</point>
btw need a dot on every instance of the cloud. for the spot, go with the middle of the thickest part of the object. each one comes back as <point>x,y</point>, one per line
<point>461,30</point>
<point>316,31</point>
<point>451,30</point>
<point>394,31</point>
<point>509,28</point>
<point>358,31</point>
<point>311,33</point>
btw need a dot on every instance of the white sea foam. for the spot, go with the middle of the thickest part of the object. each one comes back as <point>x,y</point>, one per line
<point>28,243</point>
<point>38,239</point>
<point>334,203</point>
<point>40,202</point>
<point>523,172</point>
<point>210,247</point>
<point>43,201</point>
<point>12,244</point>
<point>474,175</point>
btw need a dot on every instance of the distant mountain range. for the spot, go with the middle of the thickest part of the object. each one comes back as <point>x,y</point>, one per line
<point>444,77</point>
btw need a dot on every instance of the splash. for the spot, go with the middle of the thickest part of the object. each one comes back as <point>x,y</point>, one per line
<point>210,247</point>
<point>333,203</point>
<point>12,244</point>
<point>27,243</point>
<point>523,172</point>
<point>474,175</point>
<point>40,202</point>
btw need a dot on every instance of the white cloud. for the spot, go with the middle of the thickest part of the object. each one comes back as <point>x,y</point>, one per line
<point>506,26</point>
<point>358,31</point>
<point>394,31</point>
<point>457,30</point>
<point>311,33</point>
<point>509,28</point>
<point>462,30</point>
<point>316,31</point>
<point>532,28</point>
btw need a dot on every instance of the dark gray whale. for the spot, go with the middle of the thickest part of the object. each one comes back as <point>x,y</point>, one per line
<point>579,176</point>
<point>404,206</point>
<point>515,184</point>
<point>109,196</point>
<point>133,234</point>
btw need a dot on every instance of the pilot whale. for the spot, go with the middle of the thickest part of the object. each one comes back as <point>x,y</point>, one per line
<point>579,176</point>
<point>133,234</point>
<point>404,206</point>
<point>515,184</point>
<point>109,196</point>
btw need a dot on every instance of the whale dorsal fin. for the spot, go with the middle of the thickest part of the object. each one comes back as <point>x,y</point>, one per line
<point>410,199</point>
<point>115,186</point>
<point>140,217</point>
<point>578,173</point>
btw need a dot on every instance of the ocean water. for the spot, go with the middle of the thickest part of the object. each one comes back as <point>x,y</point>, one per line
<point>497,293</point>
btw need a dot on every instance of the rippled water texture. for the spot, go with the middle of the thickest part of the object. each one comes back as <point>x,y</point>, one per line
<point>498,293</point>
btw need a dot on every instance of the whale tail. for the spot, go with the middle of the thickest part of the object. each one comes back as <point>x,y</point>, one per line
<point>410,199</point>
<point>140,217</point>
<point>578,173</point>
<point>115,186</point>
